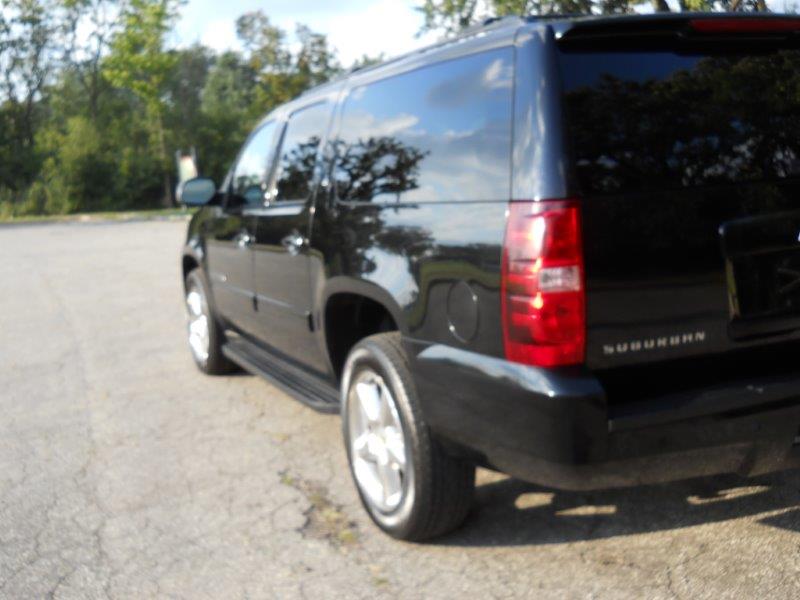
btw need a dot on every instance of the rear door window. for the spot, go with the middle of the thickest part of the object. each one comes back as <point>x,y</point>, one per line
<point>299,152</point>
<point>658,120</point>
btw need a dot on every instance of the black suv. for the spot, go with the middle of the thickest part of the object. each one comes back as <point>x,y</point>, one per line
<point>567,249</point>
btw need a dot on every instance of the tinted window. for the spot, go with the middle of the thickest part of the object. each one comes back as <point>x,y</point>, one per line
<point>250,175</point>
<point>299,151</point>
<point>660,120</point>
<point>440,133</point>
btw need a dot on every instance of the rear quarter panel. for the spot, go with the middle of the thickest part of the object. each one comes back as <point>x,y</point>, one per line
<point>437,266</point>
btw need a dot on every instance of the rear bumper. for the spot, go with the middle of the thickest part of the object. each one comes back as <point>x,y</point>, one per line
<point>553,427</point>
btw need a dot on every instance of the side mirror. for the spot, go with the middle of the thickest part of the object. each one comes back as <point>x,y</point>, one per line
<point>196,192</point>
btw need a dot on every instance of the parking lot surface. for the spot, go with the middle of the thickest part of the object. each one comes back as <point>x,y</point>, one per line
<point>125,473</point>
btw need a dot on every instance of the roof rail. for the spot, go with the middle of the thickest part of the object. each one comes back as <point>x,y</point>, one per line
<point>555,17</point>
<point>489,23</point>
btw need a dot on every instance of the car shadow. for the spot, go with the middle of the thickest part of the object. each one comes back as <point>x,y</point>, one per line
<point>509,512</point>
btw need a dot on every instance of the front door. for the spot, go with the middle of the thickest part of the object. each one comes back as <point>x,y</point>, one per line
<point>281,262</point>
<point>229,242</point>
<point>230,269</point>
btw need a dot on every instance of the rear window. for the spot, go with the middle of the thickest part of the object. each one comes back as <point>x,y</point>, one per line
<point>642,121</point>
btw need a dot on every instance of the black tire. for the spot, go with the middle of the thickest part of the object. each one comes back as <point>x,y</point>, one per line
<point>438,488</point>
<point>215,363</point>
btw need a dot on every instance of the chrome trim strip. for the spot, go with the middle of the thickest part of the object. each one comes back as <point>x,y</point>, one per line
<point>284,305</point>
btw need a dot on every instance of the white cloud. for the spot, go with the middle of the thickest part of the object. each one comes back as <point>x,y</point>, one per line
<point>354,27</point>
<point>369,126</point>
<point>386,26</point>
<point>220,34</point>
<point>498,75</point>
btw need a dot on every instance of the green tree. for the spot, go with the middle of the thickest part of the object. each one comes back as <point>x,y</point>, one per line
<point>84,54</point>
<point>281,74</point>
<point>183,90</point>
<point>227,112</point>
<point>367,61</point>
<point>316,61</point>
<point>452,16</point>
<point>94,102</point>
<point>140,63</point>
<point>28,37</point>
<point>78,173</point>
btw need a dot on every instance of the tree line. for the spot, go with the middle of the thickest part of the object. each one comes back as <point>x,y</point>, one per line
<point>95,98</point>
<point>94,102</point>
<point>454,15</point>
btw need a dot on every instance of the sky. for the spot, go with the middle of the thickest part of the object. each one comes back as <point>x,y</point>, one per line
<point>353,27</point>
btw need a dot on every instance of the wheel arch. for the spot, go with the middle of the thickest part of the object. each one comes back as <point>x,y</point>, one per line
<point>191,258</point>
<point>352,309</point>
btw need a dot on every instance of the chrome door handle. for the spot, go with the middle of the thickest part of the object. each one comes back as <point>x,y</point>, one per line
<point>243,240</point>
<point>293,243</point>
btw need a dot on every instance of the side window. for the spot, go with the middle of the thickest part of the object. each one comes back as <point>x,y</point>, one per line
<point>437,134</point>
<point>249,182</point>
<point>298,155</point>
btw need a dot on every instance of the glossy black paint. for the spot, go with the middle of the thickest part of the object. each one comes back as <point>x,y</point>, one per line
<point>389,223</point>
<point>553,426</point>
<point>229,266</point>
<point>698,190</point>
<point>540,160</point>
<point>281,282</point>
<point>412,256</point>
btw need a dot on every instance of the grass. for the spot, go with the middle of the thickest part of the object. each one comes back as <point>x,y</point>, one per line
<point>128,215</point>
<point>324,519</point>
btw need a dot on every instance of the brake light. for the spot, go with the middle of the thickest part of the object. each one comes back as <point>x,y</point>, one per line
<point>543,295</point>
<point>744,25</point>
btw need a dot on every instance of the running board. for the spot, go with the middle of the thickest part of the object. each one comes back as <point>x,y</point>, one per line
<point>301,385</point>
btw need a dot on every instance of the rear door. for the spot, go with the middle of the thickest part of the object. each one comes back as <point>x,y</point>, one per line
<point>686,152</point>
<point>232,233</point>
<point>281,260</point>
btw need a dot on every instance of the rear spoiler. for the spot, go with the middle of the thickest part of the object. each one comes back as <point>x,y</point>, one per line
<point>686,27</point>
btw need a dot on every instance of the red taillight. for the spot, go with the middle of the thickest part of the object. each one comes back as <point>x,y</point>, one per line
<point>744,25</point>
<point>544,322</point>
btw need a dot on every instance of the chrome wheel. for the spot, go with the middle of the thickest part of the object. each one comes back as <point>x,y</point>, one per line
<point>377,442</point>
<point>198,326</point>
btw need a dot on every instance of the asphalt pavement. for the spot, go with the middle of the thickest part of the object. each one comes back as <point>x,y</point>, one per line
<point>126,473</point>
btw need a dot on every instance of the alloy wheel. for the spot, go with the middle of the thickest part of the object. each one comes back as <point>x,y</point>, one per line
<point>377,442</point>
<point>198,325</point>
